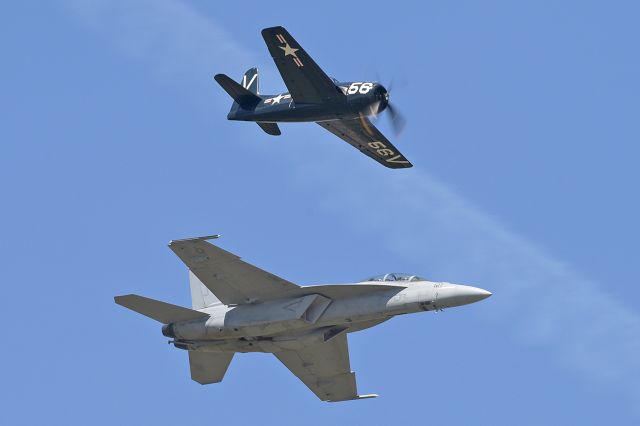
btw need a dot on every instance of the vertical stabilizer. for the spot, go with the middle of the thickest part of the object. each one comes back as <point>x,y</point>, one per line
<point>250,80</point>
<point>209,367</point>
<point>201,297</point>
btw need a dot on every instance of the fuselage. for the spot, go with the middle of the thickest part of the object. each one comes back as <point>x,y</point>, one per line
<point>364,98</point>
<point>292,323</point>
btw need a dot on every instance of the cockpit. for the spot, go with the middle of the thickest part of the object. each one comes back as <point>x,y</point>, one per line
<point>395,276</point>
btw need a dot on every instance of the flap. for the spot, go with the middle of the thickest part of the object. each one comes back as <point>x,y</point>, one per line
<point>324,368</point>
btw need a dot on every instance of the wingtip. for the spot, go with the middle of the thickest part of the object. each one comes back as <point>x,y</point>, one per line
<point>119,299</point>
<point>220,78</point>
<point>203,238</point>
<point>355,398</point>
<point>275,27</point>
<point>369,395</point>
<point>398,167</point>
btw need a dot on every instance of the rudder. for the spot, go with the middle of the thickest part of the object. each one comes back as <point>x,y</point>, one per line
<point>201,297</point>
<point>250,80</point>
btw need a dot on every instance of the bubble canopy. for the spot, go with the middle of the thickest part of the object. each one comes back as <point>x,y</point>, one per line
<point>395,276</point>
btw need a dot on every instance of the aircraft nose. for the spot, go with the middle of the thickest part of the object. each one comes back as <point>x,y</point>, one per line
<point>466,294</point>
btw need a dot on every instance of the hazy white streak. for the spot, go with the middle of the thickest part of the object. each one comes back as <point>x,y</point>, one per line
<point>541,298</point>
<point>172,36</point>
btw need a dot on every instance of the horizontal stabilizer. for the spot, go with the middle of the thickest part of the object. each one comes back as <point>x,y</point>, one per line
<point>165,313</point>
<point>270,128</point>
<point>242,96</point>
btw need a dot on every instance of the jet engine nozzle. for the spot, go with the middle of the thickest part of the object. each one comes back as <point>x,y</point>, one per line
<point>167,331</point>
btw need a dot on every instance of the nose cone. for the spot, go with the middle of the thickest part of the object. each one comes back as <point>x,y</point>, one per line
<point>381,96</point>
<point>466,294</point>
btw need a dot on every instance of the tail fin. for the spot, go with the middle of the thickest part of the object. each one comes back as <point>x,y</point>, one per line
<point>201,297</point>
<point>245,98</point>
<point>209,367</point>
<point>250,81</point>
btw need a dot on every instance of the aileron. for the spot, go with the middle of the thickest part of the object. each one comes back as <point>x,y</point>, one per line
<point>363,135</point>
<point>324,368</point>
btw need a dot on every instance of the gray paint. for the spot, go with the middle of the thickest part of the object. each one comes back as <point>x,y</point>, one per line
<point>304,327</point>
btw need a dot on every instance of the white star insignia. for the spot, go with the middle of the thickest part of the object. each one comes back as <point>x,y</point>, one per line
<point>288,50</point>
<point>277,99</point>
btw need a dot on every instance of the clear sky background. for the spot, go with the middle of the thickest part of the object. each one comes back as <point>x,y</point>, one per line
<point>523,129</point>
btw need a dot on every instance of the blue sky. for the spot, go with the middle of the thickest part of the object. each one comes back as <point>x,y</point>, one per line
<point>523,129</point>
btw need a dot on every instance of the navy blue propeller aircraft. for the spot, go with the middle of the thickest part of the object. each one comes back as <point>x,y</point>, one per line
<point>340,107</point>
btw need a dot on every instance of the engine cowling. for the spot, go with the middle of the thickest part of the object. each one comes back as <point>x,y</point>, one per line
<point>381,96</point>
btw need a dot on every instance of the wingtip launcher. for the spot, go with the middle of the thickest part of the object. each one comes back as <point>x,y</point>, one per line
<point>356,397</point>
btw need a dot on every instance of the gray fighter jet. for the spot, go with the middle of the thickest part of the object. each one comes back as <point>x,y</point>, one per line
<point>237,307</point>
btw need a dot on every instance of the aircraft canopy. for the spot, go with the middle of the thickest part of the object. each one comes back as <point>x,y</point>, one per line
<point>395,276</point>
